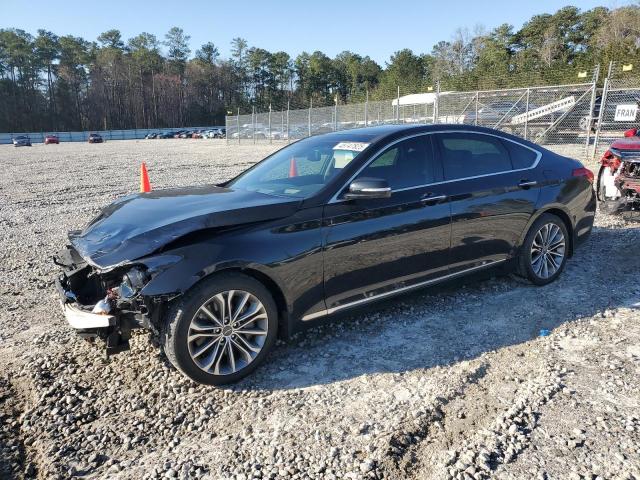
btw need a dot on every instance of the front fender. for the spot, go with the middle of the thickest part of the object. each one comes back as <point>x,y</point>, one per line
<point>187,266</point>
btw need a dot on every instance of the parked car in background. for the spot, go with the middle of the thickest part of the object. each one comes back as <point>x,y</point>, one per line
<point>95,138</point>
<point>166,135</point>
<point>21,141</point>
<point>321,226</point>
<point>152,135</point>
<point>48,139</point>
<point>257,132</point>
<point>497,111</point>
<point>215,133</point>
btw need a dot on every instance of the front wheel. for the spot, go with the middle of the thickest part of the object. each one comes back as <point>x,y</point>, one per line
<point>544,252</point>
<point>221,330</point>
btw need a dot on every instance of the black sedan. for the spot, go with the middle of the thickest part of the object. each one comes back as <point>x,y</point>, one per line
<point>323,225</point>
<point>21,141</point>
<point>95,138</point>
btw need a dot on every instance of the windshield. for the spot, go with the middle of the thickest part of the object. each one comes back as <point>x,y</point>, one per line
<point>301,169</point>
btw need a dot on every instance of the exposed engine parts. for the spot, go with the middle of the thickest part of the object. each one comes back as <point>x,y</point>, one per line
<point>110,294</point>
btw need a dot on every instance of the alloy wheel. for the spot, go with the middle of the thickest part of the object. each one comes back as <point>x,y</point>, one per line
<point>227,332</point>
<point>547,250</point>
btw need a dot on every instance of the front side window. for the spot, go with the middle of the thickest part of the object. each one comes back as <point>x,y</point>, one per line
<point>469,155</point>
<point>406,164</point>
<point>301,169</point>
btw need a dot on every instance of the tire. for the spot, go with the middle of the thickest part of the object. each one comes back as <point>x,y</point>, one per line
<point>206,356</point>
<point>600,186</point>
<point>543,268</point>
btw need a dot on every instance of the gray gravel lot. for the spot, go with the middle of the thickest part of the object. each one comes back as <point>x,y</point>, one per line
<point>452,382</point>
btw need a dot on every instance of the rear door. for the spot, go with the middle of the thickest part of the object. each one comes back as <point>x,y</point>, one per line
<point>493,188</point>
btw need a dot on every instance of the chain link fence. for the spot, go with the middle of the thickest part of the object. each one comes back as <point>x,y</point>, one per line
<point>616,108</point>
<point>555,116</point>
<point>567,118</point>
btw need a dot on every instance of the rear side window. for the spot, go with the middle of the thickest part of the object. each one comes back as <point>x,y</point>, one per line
<point>521,157</point>
<point>469,155</point>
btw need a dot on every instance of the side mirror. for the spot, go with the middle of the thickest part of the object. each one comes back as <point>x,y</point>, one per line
<point>631,132</point>
<point>365,188</point>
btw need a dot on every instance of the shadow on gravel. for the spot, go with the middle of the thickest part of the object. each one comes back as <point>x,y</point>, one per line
<point>456,321</point>
<point>12,449</point>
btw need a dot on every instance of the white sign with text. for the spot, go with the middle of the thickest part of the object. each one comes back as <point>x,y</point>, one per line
<point>626,113</point>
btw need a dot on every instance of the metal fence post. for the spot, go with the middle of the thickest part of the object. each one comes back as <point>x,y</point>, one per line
<point>238,125</point>
<point>269,123</point>
<point>526,115</point>
<point>226,129</point>
<point>335,114</point>
<point>366,110</point>
<point>253,124</point>
<point>592,104</point>
<point>475,120</point>
<point>288,104</point>
<point>436,103</point>
<point>603,105</point>
<point>310,107</point>
<point>398,107</point>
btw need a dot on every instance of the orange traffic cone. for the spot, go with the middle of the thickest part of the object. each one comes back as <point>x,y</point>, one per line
<point>293,168</point>
<point>145,186</point>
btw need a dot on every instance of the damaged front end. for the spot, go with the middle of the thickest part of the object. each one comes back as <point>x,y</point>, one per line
<point>619,181</point>
<point>105,304</point>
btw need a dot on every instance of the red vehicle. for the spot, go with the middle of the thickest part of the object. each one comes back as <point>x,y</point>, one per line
<point>51,139</point>
<point>619,177</point>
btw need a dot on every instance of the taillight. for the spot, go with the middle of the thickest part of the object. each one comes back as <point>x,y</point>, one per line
<point>583,172</point>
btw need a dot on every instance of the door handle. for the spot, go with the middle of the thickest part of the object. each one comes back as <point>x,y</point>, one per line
<point>527,183</point>
<point>430,198</point>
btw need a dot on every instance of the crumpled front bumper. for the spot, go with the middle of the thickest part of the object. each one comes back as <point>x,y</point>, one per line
<point>78,317</point>
<point>83,320</point>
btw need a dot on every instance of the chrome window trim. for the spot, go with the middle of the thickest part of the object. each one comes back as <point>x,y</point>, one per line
<point>329,311</point>
<point>335,199</point>
<point>376,190</point>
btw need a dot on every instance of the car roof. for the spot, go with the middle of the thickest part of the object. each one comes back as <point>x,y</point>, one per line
<point>388,132</point>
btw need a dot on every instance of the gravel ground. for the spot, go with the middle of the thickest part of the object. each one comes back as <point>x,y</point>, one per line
<point>452,382</point>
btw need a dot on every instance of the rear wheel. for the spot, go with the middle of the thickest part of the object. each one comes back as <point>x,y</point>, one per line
<point>222,329</point>
<point>544,252</point>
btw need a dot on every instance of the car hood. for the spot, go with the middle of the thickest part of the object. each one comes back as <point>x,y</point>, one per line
<point>628,143</point>
<point>137,225</point>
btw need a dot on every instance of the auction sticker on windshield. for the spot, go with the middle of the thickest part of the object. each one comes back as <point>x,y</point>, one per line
<point>353,146</point>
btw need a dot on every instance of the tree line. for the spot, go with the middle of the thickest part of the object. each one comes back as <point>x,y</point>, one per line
<point>66,83</point>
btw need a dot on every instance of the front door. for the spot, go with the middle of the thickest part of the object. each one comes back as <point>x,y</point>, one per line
<point>377,246</point>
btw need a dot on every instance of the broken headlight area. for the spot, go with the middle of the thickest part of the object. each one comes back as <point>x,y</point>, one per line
<point>619,183</point>
<point>105,304</point>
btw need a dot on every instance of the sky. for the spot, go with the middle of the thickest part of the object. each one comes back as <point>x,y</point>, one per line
<point>374,27</point>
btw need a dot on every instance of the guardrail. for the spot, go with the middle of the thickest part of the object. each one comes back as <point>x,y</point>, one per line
<point>38,137</point>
